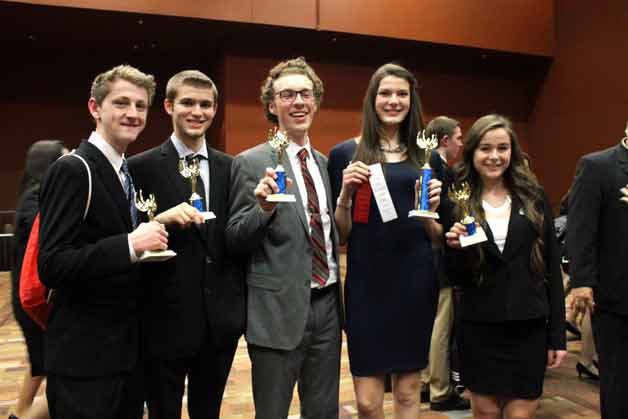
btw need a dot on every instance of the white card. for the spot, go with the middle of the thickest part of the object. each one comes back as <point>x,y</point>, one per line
<point>381,193</point>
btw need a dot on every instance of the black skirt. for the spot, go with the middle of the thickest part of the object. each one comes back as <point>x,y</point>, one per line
<point>504,359</point>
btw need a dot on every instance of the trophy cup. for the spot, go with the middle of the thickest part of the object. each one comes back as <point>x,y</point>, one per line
<point>149,206</point>
<point>278,140</point>
<point>460,196</point>
<point>192,171</point>
<point>421,200</point>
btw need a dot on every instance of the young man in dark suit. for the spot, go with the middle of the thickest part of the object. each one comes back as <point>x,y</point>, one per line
<point>597,228</point>
<point>293,306</point>
<point>92,340</point>
<point>194,302</point>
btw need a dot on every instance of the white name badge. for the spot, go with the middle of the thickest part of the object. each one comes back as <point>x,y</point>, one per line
<point>381,193</point>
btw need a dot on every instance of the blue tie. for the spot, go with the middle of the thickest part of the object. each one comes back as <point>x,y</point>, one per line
<point>129,191</point>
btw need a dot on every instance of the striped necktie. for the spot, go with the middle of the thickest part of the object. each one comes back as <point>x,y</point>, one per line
<point>320,269</point>
<point>129,191</point>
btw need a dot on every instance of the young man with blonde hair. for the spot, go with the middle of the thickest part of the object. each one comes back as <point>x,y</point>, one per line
<point>90,241</point>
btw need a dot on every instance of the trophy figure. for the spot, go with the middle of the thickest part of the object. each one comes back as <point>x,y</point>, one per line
<point>460,196</point>
<point>192,171</point>
<point>421,200</point>
<point>279,142</point>
<point>149,206</point>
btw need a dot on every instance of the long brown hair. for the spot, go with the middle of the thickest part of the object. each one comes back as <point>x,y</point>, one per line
<point>518,179</point>
<point>368,148</point>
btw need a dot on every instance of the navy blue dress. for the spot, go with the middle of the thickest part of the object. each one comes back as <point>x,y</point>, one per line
<point>391,289</point>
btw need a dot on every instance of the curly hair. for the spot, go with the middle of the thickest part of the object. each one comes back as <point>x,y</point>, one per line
<point>292,66</point>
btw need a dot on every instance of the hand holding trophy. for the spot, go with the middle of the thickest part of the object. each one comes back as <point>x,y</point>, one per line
<point>279,142</point>
<point>460,196</point>
<point>192,171</point>
<point>422,204</point>
<point>149,206</point>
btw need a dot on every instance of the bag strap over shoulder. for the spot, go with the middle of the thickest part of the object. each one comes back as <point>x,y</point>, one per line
<point>89,180</point>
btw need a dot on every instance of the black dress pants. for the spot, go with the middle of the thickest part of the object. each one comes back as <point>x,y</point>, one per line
<point>118,396</point>
<point>610,331</point>
<point>206,372</point>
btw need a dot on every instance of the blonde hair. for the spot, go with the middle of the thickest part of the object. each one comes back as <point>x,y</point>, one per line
<point>192,78</point>
<point>101,86</point>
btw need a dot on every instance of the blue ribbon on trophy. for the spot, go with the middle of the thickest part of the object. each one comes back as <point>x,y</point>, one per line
<point>279,142</point>
<point>149,206</point>
<point>422,198</point>
<point>460,196</point>
<point>191,171</point>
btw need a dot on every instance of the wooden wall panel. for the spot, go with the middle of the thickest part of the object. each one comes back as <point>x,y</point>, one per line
<point>522,26</point>
<point>583,104</point>
<point>293,13</point>
<point>231,10</point>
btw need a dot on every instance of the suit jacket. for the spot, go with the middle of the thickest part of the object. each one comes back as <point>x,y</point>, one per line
<point>504,287</point>
<point>93,329</point>
<point>279,274</point>
<point>597,228</point>
<point>201,290</point>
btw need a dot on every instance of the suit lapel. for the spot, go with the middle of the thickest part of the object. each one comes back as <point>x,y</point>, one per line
<point>490,245</point>
<point>326,183</point>
<point>170,161</point>
<point>622,158</point>
<point>109,179</point>
<point>517,226</point>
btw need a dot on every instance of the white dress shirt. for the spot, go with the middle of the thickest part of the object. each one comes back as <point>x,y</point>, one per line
<point>498,218</point>
<point>292,151</point>
<point>115,159</point>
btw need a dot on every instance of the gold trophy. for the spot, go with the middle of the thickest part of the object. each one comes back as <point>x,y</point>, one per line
<point>192,171</point>
<point>460,196</point>
<point>279,142</point>
<point>149,206</point>
<point>421,197</point>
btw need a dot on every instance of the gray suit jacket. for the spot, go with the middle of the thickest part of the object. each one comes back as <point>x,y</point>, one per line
<point>279,272</point>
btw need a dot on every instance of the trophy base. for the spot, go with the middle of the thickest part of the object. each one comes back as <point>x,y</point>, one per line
<point>423,214</point>
<point>156,255</point>
<point>281,197</point>
<point>208,215</point>
<point>478,237</point>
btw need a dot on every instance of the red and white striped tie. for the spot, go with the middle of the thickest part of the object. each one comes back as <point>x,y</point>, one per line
<point>320,269</point>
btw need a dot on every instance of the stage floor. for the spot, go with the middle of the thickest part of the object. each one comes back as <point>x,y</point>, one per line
<point>565,396</point>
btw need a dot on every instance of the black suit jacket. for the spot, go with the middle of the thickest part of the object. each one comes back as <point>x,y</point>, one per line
<point>504,287</point>
<point>93,329</point>
<point>597,228</point>
<point>201,290</point>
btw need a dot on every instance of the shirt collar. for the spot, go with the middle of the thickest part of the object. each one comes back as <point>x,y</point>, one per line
<point>105,148</point>
<point>184,151</point>
<point>624,142</point>
<point>293,149</point>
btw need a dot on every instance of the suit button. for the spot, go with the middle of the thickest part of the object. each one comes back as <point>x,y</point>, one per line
<point>208,260</point>
<point>208,291</point>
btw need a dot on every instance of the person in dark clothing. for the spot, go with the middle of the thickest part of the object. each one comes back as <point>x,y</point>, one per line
<point>39,157</point>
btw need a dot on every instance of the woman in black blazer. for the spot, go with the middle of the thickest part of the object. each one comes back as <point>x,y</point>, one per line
<point>38,158</point>
<point>513,305</point>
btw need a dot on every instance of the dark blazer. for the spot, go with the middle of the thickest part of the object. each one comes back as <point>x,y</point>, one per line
<point>504,287</point>
<point>597,228</point>
<point>279,274</point>
<point>201,290</point>
<point>93,329</point>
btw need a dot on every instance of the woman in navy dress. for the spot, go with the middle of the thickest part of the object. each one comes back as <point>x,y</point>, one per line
<point>391,288</point>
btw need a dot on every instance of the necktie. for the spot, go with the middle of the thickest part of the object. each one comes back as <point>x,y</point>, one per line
<point>129,191</point>
<point>320,269</point>
<point>200,185</point>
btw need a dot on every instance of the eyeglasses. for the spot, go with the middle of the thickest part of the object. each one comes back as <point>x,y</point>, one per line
<point>289,95</point>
